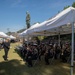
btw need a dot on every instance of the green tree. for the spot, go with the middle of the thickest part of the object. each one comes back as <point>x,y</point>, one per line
<point>73,5</point>
<point>66,7</point>
<point>27,19</point>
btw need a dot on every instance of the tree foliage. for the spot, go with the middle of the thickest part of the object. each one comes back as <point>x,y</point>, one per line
<point>28,20</point>
<point>66,7</point>
<point>21,30</point>
<point>73,5</point>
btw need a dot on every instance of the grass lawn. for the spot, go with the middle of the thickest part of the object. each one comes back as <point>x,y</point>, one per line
<point>16,66</point>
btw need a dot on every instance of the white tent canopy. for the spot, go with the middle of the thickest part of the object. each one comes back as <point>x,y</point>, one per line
<point>58,24</point>
<point>3,35</point>
<point>67,16</point>
<point>12,37</point>
<point>61,23</point>
<point>27,30</point>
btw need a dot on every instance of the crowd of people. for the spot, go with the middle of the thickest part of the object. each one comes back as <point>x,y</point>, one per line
<point>48,50</point>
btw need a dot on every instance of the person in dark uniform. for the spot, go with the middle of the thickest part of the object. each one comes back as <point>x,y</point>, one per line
<point>29,57</point>
<point>48,54</point>
<point>6,46</point>
<point>57,51</point>
<point>65,53</point>
<point>41,50</point>
<point>35,52</point>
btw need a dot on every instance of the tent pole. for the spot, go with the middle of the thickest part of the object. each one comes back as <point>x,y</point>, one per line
<point>72,51</point>
<point>27,40</point>
<point>59,38</point>
<point>23,39</point>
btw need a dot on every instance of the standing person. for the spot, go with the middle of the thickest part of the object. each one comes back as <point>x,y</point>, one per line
<point>6,46</point>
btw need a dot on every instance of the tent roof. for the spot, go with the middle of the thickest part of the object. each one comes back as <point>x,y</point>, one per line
<point>3,35</point>
<point>12,37</point>
<point>63,18</point>
<point>60,23</point>
<point>31,28</point>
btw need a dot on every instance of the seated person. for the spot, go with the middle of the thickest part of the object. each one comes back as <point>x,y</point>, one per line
<point>42,50</point>
<point>57,51</point>
<point>24,51</point>
<point>29,57</point>
<point>35,52</point>
<point>65,52</point>
<point>49,53</point>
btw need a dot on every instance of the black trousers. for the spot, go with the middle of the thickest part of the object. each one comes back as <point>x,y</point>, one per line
<point>64,58</point>
<point>29,61</point>
<point>47,60</point>
<point>6,53</point>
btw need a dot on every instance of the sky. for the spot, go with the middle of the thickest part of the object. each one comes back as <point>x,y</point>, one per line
<point>13,12</point>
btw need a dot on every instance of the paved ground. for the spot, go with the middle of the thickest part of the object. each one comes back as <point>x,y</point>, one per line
<point>16,66</point>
